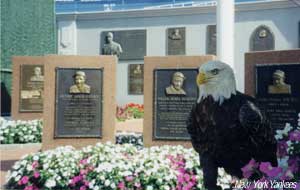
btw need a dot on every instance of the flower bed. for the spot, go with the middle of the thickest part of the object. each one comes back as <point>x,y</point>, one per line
<point>130,111</point>
<point>20,131</point>
<point>287,174</point>
<point>110,167</point>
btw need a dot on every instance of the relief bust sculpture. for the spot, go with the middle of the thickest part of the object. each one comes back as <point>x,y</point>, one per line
<point>79,86</point>
<point>110,47</point>
<point>176,85</point>
<point>279,86</point>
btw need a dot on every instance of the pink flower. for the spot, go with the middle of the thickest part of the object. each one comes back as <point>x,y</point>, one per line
<point>83,161</point>
<point>86,183</point>
<point>129,178</point>
<point>83,172</point>
<point>121,185</point>
<point>295,135</point>
<point>267,168</point>
<point>136,184</point>
<point>248,169</point>
<point>75,180</point>
<point>282,148</point>
<point>24,180</point>
<point>186,177</point>
<point>82,188</point>
<point>36,174</point>
<point>28,187</point>
<point>35,164</point>
<point>180,179</point>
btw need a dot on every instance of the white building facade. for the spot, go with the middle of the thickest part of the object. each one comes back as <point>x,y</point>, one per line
<point>79,33</point>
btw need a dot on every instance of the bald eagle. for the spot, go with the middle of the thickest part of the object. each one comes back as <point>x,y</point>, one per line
<point>227,128</point>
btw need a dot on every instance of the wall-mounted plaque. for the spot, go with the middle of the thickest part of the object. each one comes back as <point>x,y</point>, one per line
<point>211,40</point>
<point>175,93</point>
<point>262,39</point>
<point>78,102</point>
<point>176,41</point>
<point>136,79</point>
<point>132,44</point>
<point>278,92</point>
<point>31,88</point>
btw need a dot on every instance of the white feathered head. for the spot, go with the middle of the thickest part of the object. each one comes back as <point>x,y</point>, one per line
<point>216,78</point>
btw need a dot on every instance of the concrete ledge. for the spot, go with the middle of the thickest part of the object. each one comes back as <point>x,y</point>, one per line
<point>17,146</point>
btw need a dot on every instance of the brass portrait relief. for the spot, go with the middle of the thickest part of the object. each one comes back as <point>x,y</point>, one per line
<point>176,85</point>
<point>37,75</point>
<point>279,86</point>
<point>80,86</point>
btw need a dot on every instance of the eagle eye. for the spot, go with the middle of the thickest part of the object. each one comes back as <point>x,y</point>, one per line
<point>215,71</point>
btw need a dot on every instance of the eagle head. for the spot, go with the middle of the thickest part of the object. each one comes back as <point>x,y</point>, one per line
<point>216,79</point>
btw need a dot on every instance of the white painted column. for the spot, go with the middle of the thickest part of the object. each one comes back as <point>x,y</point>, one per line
<point>225,31</point>
<point>67,37</point>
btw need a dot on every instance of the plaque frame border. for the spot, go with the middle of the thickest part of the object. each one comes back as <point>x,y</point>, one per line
<point>154,119</point>
<point>55,136</point>
<point>20,89</point>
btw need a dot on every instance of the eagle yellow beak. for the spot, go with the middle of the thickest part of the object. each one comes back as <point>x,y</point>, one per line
<point>201,78</point>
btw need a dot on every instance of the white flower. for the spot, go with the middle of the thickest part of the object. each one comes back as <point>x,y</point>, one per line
<point>102,178</point>
<point>113,186</point>
<point>29,167</point>
<point>107,183</point>
<point>50,183</point>
<point>149,187</point>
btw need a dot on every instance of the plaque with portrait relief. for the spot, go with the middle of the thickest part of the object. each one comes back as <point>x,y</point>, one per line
<point>78,102</point>
<point>31,88</point>
<point>175,92</point>
<point>126,44</point>
<point>176,41</point>
<point>136,79</point>
<point>262,39</point>
<point>278,92</point>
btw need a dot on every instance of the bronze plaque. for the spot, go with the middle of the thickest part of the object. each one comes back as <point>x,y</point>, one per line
<point>126,44</point>
<point>211,40</point>
<point>262,39</point>
<point>31,88</point>
<point>136,79</point>
<point>278,92</point>
<point>176,41</point>
<point>175,93</point>
<point>78,102</point>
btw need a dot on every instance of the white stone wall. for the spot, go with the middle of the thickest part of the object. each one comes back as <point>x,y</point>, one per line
<point>281,17</point>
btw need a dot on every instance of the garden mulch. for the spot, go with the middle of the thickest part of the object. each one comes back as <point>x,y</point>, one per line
<point>10,153</point>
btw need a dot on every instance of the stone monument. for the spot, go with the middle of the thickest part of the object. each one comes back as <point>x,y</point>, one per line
<point>28,87</point>
<point>80,106</point>
<point>170,92</point>
<point>273,78</point>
